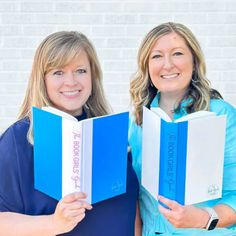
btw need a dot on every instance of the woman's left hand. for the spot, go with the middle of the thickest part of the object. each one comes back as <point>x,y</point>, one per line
<point>183,216</point>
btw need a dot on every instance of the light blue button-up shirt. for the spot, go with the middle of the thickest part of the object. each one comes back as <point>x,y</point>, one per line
<point>152,219</point>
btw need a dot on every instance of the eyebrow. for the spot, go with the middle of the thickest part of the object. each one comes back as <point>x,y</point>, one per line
<point>171,49</point>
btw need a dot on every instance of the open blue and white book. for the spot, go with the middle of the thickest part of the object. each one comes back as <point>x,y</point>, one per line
<point>88,155</point>
<point>183,160</point>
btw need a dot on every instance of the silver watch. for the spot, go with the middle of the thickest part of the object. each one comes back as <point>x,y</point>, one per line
<point>213,218</point>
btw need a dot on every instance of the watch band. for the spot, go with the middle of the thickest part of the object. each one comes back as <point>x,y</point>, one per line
<point>213,218</point>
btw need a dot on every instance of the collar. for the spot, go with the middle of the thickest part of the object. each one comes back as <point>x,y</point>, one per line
<point>176,115</point>
<point>83,116</point>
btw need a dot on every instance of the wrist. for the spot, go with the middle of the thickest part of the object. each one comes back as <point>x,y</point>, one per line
<point>205,217</point>
<point>213,218</point>
<point>51,225</point>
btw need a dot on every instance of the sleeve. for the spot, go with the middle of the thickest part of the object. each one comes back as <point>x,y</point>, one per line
<point>10,191</point>
<point>229,178</point>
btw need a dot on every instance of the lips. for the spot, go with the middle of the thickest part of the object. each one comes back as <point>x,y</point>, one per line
<point>170,76</point>
<point>71,93</point>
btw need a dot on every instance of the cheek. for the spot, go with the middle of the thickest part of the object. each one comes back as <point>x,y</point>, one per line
<point>153,68</point>
<point>51,88</point>
<point>188,72</point>
<point>48,88</point>
<point>187,66</point>
<point>88,84</point>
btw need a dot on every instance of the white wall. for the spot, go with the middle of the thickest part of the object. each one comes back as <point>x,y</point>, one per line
<point>116,28</point>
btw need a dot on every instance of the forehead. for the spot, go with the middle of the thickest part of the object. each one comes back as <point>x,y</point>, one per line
<point>81,57</point>
<point>76,59</point>
<point>170,40</point>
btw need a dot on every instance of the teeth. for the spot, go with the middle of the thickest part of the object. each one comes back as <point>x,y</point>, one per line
<point>170,76</point>
<point>70,93</point>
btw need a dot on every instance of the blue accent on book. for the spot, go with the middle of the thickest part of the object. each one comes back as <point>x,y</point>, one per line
<point>173,143</point>
<point>108,156</point>
<point>47,130</point>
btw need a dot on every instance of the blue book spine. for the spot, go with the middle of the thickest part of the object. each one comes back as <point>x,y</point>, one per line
<point>173,160</point>
<point>168,159</point>
<point>47,129</point>
<point>181,162</point>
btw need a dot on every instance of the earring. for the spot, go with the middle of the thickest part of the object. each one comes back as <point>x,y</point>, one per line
<point>151,84</point>
<point>194,78</point>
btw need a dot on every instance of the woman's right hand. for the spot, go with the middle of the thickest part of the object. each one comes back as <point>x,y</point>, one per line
<point>69,212</point>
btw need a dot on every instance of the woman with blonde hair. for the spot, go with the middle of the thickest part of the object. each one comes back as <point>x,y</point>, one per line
<point>171,75</point>
<point>66,74</point>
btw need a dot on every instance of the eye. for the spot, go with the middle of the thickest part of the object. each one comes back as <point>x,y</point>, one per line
<point>156,56</point>
<point>58,73</point>
<point>81,71</point>
<point>178,53</point>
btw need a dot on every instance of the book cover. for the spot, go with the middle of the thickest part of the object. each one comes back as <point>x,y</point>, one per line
<point>183,160</point>
<point>88,155</point>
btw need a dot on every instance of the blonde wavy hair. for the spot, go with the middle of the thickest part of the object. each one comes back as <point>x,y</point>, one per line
<point>142,91</point>
<point>56,51</point>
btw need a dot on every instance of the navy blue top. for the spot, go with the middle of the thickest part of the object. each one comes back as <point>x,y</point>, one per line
<point>112,217</point>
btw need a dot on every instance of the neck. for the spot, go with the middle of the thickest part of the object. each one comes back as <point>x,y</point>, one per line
<point>168,107</point>
<point>169,103</point>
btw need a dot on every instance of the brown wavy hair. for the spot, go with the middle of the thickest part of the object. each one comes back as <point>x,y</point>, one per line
<point>142,91</point>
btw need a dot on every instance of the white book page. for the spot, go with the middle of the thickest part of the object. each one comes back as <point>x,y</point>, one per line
<point>150,152</point>
<point>86,164</point>
<point>191,116</point>
<point>58,112</point>
<point>195,115</point>
<point>161,114</point>
<point>205,157</point>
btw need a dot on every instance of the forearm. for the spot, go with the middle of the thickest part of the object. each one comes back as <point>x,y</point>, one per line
<point>12,224</point>
<point>138,222</point>
<point>227,216</point>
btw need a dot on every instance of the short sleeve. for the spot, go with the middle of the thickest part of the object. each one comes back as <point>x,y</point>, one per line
<point>229,176</point>
<point>10,191</point>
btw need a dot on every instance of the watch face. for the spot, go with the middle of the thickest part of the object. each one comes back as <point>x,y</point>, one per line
<point>213,224</point>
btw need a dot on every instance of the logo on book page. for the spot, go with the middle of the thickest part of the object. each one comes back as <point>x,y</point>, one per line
<point>213,189</point>
<point>117,185</point>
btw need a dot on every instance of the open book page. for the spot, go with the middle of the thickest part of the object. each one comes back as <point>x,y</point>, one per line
<point>194,115</point>
<point>58,112</point>
<point>161,114</point>
<point>72,151</point>
<point>205,159</point>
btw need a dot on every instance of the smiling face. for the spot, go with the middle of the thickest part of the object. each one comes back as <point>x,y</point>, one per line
<point>69,87</point>
<point>170,64</point>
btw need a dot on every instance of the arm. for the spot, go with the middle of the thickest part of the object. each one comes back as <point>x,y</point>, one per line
<point>69,212</point>
<point>227,216</point>
<point>15,162</point>
<point>25,225</point>
<point>194,217</point>
<point>191,216</point>
<point>138,222</point>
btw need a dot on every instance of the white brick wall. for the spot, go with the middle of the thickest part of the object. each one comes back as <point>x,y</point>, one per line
<point>116,27</point>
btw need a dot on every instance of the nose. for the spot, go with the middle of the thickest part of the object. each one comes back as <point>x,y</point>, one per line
<point>70,79</point>
<point>168,63</point>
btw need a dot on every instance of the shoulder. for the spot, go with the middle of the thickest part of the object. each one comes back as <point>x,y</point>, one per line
<point>220,107</point>
<point>14,149</point>
<point>17,131</point>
